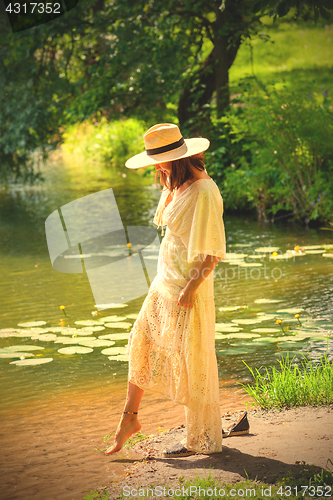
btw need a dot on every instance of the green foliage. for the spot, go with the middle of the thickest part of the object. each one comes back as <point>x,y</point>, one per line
<point>318,481</point>
<point>286,159</point>
<point>119,59</point>
<point>31,101</point>
<point>310,383</point>
<point>315,8</point>
<point>97,495</point>
<point>106,142</point>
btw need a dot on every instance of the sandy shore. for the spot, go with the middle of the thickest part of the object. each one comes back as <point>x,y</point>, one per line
<point>50,447</point>
<point>277,444</point>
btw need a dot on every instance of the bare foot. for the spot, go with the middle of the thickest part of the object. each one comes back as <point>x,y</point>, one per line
<point>128,425</point>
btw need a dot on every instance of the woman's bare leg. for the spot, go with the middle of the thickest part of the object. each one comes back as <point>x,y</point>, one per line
<point>129,424</point>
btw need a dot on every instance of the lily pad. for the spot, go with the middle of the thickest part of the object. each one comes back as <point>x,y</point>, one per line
<point>113,305</point>
<point>287,338</point>
<point>267,317</point>
<point>132,316</point>
<point>46,337</point>
<point>328,255</point>
<point>268,301</point>
<point>82,332</point>
<point>110,319</point>
<point>224,325</point>
<point>228,330</point>
<point>243,335</point>
<point>269,340</point>
<point>235,352</point>
<point>92,329</point>
<point>124,325</point>
<point>64,330</point>
<point>87,322</point>
<point>291,310</point>
<point>239,245</point>
<point>120,357</point>
<point>97,343</point>
<point>267,249</point>
<point>36,331</point>
<point>221,336</point>
<point>71,340</point>
<point>8,354</point>
<point>312,247</point>
<point>32,323</point>
<point>7,335</point>
<point>245,345</point>
<point>230,308</point>
<point>290,345</point>
<point>114,350</point>
<point>293,253</point>
<point>24,348</point>
<point>77,349</point>
<point>31,362</point>
<point>115,336</point>
<point>251,321</point>
<point>314,252</point>
<point>284,256</point>
<point>235,256</point>
<point>266,330</point>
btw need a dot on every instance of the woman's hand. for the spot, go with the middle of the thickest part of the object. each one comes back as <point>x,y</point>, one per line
<point>186,296</point>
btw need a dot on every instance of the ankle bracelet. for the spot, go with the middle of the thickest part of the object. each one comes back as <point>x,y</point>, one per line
<point>131,412</point>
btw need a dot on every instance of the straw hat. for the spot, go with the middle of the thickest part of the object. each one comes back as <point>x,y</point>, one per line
<point>164,142</point>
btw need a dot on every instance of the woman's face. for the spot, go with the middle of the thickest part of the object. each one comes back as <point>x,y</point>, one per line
<point>165,167</point>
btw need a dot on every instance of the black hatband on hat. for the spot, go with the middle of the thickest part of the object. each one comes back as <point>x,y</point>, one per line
<point>165,149</point>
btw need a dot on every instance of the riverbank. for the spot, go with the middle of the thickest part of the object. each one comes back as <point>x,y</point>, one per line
<point>50,447</point>
<point>278,444</point>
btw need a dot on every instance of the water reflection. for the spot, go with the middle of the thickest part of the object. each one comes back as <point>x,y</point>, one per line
<point>32,290</point>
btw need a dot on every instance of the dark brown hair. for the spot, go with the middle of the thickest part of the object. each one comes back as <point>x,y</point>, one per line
<point>181,171</point>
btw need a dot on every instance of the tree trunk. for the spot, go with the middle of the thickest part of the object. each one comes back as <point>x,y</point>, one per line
<point>213,75</point>
<point>197,92</point>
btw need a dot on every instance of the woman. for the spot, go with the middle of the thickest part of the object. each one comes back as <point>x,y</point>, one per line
<point>172,342</point>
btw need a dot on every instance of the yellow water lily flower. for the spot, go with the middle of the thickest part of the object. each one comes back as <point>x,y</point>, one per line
<point>297,248</point>
<point>278,321</point>
<point>63,310</point>
<point>275,254</point>
<point>297,316</point>
<point>129,245</point>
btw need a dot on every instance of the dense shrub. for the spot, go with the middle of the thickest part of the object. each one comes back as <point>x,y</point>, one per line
<point>106,142</point>
<point>284,158</point>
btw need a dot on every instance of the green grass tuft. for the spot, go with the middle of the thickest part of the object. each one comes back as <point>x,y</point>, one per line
<point>308,383</point>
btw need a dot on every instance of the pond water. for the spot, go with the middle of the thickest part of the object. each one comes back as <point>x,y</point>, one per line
<point>253,288</point>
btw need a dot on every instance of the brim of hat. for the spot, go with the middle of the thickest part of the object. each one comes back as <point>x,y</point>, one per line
<point>190,148</point>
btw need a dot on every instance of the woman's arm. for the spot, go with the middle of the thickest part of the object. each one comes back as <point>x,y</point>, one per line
<point>186,296</point>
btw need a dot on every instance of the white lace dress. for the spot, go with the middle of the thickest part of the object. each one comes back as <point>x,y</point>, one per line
<point>172,347</point>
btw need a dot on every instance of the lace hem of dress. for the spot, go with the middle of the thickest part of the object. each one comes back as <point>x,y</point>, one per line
<point>172,352</point>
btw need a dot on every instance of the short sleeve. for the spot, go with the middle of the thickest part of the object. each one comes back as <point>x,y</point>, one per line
<point>207,234</point>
